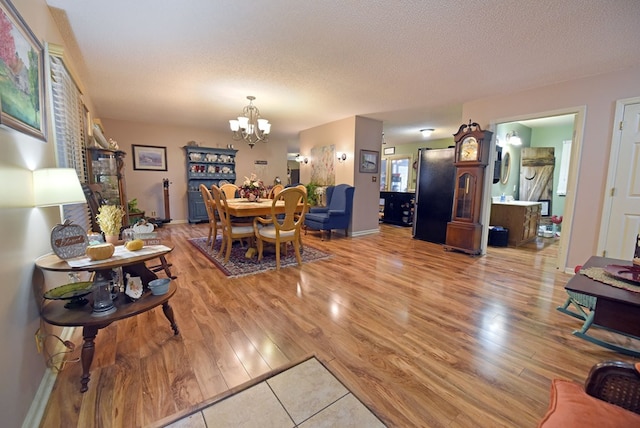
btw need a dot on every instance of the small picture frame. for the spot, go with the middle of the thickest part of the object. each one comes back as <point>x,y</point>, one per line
<point>389,150</point>
<point>149,158</point>
<point>369,161</point>
<point>545,210</point>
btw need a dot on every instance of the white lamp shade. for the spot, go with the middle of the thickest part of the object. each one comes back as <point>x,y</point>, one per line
<point>57,186</point>
<point>243,121</point>
<point>235,126</point>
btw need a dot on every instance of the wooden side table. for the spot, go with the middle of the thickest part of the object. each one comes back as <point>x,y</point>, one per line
<point>55,313</point>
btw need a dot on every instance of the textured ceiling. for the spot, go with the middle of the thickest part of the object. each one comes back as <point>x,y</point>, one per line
<point>409,63</point>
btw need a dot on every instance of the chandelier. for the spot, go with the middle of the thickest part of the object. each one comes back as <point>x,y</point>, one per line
<point>250,127</point>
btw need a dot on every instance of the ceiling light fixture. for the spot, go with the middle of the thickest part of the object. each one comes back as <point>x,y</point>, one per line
<point>513,138</point>
<point>250,127</point>
<point>426,133</point>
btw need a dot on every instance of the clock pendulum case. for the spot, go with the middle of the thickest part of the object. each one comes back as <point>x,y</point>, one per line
<point>464,231</point>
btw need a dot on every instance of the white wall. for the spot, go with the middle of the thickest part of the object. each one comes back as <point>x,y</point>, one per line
<point>598,94</point>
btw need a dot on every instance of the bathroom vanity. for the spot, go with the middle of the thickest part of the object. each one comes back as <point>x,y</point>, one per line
<point>520,217</point>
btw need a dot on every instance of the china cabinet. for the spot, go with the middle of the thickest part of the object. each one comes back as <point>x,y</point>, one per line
<point>106,175</point>
<point>206,165</point>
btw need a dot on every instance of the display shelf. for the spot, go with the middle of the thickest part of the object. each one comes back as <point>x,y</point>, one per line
<point>106,173</point>
<point>206,165</point>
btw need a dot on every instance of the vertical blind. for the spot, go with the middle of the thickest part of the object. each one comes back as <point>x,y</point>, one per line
<point>70,132</point>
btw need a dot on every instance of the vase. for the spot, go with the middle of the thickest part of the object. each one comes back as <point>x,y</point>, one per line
<point>111,239</point>
<point>252,197</point>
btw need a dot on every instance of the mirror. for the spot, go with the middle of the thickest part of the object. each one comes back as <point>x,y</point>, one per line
<point>506,168</point>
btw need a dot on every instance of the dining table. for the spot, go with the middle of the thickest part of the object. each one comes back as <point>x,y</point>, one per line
<point>242,207</point>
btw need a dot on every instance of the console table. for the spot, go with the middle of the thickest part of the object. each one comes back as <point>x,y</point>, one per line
<point>603,305</point>
<point>54,312</point>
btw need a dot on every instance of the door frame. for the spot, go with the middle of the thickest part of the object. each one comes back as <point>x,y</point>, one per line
<point>616,141</point>
<point>574,166</point>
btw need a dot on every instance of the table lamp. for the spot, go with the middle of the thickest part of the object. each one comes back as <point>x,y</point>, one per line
<point>61,186</point>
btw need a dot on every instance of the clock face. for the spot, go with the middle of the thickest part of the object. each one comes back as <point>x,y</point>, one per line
<point>469,149</point>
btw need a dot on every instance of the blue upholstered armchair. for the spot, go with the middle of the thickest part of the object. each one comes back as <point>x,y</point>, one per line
<point>338,214</point>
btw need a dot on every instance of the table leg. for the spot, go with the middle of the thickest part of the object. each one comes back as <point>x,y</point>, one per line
<point>89,334</point>
<point>168,312</point>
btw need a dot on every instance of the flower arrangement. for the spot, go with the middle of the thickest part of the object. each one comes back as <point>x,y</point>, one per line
<point>109,219</point>
<point>252,188</point>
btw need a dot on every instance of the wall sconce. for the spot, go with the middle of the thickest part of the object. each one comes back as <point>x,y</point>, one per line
<point>426,133</point>
<point>513,138</point>
<point>301,159</point>
<point>342,156</point>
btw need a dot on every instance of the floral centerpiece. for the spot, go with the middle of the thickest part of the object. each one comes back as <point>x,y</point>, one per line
<point>252,188</point>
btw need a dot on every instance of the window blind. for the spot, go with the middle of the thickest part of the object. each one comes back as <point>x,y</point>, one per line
<point>70,132</point>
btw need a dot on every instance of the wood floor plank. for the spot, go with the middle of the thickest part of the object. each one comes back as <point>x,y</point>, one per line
<point>423,336</point>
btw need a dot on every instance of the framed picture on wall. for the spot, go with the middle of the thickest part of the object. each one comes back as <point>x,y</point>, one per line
<point>369,161</point>
<point>545,210</point>
<point>149,158</point>
<point>22,94</point>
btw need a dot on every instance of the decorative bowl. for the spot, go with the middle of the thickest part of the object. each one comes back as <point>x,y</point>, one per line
<point>159,286</point>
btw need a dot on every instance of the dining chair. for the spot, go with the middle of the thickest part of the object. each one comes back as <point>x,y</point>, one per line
<point>275,190</point>
<point>230,231</point>
<point>210,205</point>
<point>284,229</point>
<point>229,190</point>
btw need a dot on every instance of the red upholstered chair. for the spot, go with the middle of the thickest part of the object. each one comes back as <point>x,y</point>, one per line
<point>610,398</point>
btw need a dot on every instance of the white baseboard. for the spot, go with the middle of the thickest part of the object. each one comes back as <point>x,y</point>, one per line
<point>365,232</point>
<point>39,403</point>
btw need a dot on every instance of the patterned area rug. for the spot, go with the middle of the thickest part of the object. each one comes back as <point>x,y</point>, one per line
<point>239,265</point>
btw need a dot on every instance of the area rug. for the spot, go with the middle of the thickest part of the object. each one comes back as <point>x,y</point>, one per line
<point>299,394</point>
<point>239,265</point>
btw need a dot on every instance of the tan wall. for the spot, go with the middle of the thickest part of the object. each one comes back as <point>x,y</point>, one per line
<point>599,94</point>
<point>146,186</point>
<point>25,235</point>
<point>349,135</point>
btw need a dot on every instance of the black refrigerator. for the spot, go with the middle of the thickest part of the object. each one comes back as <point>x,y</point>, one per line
<point>434,194</point>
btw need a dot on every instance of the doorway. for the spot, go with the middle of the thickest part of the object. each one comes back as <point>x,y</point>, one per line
<point>551,129</point>
<point>620,222</point>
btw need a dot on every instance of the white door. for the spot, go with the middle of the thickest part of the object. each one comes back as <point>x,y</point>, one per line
<point>624,218</point>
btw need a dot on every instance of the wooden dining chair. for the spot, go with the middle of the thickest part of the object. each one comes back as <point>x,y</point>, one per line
<point>230,231</point>
<point>284,228</point>
<point>210,205</point>
<point>229,190</point>
<point>275,190</point>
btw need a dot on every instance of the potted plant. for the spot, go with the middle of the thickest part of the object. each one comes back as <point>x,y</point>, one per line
<point>109,219</point>
<point>135,214</point>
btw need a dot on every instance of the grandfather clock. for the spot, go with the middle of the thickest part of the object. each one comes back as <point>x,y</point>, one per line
<point>464,231</point>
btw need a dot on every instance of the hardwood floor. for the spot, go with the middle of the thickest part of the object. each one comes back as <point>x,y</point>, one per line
<point>424,337</point>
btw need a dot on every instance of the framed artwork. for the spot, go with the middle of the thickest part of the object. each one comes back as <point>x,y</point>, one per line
<point>22,94</point>
<point>545,211</point>
<point>369,161</point>
<point>149,158</point>
<point>389,150</point>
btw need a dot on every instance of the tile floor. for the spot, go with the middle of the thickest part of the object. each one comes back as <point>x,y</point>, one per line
<point>306,395</point>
